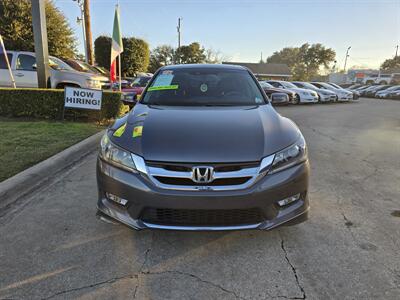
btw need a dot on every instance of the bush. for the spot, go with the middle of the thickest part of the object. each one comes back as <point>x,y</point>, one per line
<point>48,104</point>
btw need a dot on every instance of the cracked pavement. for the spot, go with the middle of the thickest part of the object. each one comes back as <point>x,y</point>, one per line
<point>53,247</point>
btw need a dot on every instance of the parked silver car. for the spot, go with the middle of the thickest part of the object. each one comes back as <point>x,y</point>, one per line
<point>23,66</point>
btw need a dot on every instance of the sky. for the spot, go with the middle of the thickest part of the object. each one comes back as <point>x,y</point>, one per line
<point>241,30</point>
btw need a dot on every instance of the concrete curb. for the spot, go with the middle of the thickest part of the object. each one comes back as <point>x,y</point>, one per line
<point>31,179</point>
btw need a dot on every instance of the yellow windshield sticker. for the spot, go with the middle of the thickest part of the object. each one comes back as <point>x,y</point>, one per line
<point>137,131</point>
<point>120,131</point>
<point>163,87</point>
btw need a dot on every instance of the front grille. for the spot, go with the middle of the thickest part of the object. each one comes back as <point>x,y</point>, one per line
<point>189,182</point>
<point>222,175</point>
<point>202,217</point>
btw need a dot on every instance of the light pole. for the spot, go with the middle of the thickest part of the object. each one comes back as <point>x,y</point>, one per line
<point>345,61</point>
<point>81,20</point>
<point>178,28</point>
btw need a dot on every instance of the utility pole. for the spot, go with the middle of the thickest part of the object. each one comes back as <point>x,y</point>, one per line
<point>81,21</point>
<point>345,61</point>
<point>40,39</point>
<point>179,38</point>
<point>261,61</point>
<point>88,31</point>
<point>397,49</point>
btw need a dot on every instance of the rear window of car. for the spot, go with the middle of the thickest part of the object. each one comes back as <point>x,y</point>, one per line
<point>203,87</point>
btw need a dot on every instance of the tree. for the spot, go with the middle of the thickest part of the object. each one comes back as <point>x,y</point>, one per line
<point>135,57</point>
<point>213,57</point>
<point>191,54</point>
<point>161,56</point>
<point>391,63</point>
<point>102,51</point>
<point>304,61</point>
<point>16,28</point>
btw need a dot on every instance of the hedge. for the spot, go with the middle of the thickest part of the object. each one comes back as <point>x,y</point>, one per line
<point>48,104</point>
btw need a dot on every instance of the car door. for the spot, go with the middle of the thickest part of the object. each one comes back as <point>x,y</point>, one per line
<point>5,79</point>
<point>25,71</point>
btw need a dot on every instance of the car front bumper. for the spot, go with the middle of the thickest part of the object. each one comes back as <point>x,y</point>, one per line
<point>308,99</point>
<point>141,194</point>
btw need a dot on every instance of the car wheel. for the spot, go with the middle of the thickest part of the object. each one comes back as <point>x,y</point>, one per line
<point>383,82</point>
<point>296,99</point>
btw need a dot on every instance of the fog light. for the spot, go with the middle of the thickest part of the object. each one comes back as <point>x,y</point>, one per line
<point>289,200</point>
<point>116,199</point>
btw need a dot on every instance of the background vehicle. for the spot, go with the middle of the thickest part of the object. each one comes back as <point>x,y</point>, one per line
<point>384,93</point>
<point>269,90</point>
<point>23,66</point>
<point>137,86</point>
<point>302,95</point>
<point>84,67</point>
<point>370,92</point>
<point>323,94</point>
<point>342,94</point>
<point>378,79</point>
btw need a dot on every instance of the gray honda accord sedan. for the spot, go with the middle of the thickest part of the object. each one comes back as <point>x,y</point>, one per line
<point>203,149</point>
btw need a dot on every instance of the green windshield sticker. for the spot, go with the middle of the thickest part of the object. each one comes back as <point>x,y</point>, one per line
<point>120,131</point>
<point>164,87</point>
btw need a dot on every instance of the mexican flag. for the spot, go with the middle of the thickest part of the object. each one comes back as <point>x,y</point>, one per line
<point>116,46</point>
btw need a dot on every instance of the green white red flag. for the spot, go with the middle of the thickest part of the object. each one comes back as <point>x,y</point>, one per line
<point>116,46</point>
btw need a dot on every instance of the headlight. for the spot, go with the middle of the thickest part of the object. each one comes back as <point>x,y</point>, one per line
<point>115,155</point>
<point>290,156</point>
<point>93,83</point>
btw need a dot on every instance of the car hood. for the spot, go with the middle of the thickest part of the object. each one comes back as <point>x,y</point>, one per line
<point>205,134</point>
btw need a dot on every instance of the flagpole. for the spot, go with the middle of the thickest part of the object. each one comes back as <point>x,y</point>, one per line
<point>8,63</point>
<point>119,67</point>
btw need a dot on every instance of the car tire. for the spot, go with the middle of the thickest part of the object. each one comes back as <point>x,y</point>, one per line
<point>296,99</point>
<point>383,82</point>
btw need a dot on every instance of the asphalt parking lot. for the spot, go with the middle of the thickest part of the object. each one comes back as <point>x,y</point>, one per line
<point>53,247</point>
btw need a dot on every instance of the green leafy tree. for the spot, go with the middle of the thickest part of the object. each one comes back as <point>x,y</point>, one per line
<point>391,63</point>
<point>135,57</point>
<point>16,28</point>
<point>161,56</point>
<point>304,61</point>
<point>102,51</point>
<point>191,54</point>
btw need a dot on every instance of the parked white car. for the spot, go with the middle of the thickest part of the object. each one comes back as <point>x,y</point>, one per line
<point>323,94</point>
<point>23,66</point>
<point>378,79</point>
<point>302,95</point>
<point>342,94</point>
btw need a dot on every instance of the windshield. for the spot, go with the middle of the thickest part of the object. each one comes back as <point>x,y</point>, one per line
<point>326,86</point>
<point>58,64</point>
<point>203,87</point>
<point>305,85</point>
<point>335,85</point>
<point>288,85</point>
<point>265,85</point>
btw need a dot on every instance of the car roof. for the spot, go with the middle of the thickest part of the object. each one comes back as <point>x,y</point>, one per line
<point>204,66</point>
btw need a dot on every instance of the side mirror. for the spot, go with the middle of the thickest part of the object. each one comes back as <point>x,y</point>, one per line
<point>129,99</point>
<point>34,66</point>
<point>279,98</point>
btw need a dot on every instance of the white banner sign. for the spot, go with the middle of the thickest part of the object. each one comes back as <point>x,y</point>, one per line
<point>82,98</point>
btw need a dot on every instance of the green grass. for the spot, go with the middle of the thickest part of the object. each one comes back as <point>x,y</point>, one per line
<point>24,143</point>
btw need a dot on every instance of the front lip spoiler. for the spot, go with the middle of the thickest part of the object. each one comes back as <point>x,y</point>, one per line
<point>122,216</point>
